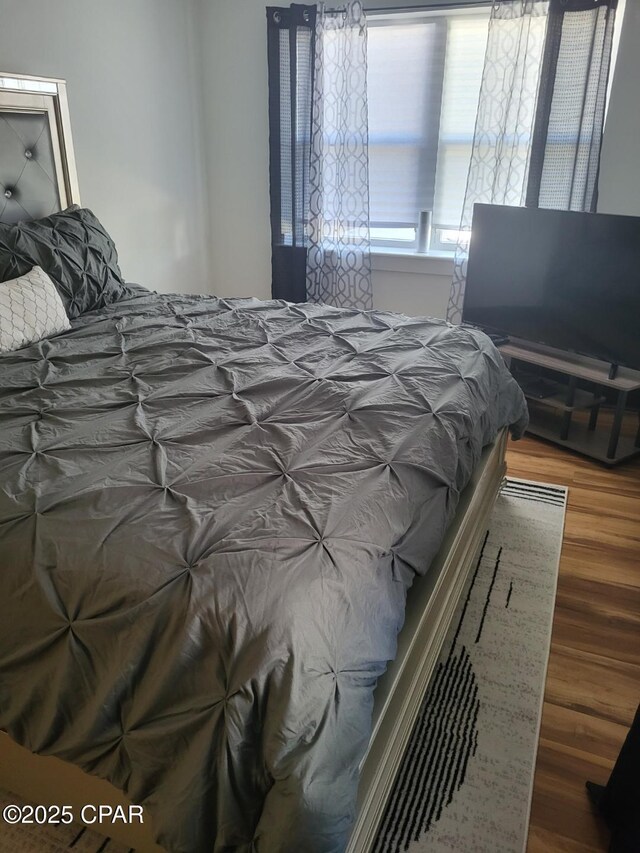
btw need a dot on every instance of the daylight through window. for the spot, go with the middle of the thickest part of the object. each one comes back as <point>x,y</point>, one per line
<point>424,74</point>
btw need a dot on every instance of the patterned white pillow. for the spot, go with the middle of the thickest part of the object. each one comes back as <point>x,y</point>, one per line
<point>30,309</point>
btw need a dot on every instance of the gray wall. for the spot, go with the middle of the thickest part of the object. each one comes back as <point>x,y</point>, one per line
<point>135,117</point>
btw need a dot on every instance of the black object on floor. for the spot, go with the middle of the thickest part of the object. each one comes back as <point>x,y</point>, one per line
<point>618,801</point>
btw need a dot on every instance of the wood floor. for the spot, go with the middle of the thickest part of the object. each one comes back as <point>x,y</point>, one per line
<point>593,680</point>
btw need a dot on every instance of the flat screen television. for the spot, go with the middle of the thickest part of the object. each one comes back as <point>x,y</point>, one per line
<point>568,280</point>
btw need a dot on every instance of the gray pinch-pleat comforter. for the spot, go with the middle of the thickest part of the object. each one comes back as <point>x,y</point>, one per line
<point>210,514</point>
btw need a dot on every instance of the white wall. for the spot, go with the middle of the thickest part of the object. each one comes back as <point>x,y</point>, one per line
<point>236,133</point>
<point>137,136</point>
<point>619,187</point>
<point>412,284</point>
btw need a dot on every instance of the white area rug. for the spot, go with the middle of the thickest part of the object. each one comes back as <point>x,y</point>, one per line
<point>466,781</point>
<point>465,784</point>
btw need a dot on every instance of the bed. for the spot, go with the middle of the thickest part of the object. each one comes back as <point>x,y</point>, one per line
<point>212,514</point>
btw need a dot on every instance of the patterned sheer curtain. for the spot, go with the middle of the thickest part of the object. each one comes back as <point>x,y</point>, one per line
<point>338,255</point>
<point>541,111</point>
<point>500,158</point>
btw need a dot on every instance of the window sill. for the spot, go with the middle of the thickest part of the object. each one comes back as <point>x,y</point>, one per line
<point>388,260</point>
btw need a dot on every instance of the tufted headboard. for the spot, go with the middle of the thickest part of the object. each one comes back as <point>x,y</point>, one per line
<point>37,165</point>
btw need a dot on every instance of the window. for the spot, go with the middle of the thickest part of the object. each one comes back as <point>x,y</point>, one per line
<point>424,74</point>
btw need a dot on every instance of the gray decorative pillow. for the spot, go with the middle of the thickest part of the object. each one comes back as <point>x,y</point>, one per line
<point>73,248</point>
<point>30,309</point>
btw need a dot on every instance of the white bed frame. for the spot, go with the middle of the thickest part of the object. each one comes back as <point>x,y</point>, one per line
<point>431,604</point>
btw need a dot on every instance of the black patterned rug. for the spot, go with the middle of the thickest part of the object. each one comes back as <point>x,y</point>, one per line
<point>466,780</point>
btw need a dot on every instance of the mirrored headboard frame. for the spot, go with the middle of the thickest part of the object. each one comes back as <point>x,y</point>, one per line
<point>23,93</point>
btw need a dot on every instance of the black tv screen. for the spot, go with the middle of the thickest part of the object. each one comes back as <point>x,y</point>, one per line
<point>565,279</point>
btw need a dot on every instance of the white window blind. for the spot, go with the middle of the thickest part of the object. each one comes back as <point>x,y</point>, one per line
<point>466,45</point>
<point>424,74</point>
<point>404,91</point>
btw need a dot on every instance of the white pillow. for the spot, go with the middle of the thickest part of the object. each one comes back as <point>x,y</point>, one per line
<point>30,309</point>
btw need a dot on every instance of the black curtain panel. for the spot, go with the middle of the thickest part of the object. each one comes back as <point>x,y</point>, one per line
<point>290,53</point>
<point>567,137</point>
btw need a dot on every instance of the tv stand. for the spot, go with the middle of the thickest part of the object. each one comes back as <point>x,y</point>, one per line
<point>551,414</point>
